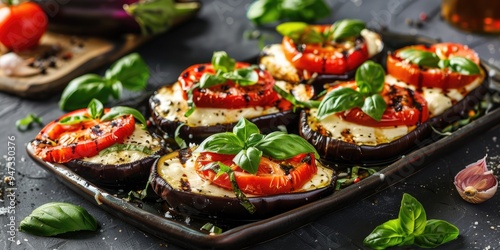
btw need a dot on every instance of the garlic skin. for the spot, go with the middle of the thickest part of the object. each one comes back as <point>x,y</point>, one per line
<point>12,64</point>
<point>476,183</point>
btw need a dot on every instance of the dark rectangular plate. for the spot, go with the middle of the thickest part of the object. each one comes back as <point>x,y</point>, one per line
<point>147,215</point>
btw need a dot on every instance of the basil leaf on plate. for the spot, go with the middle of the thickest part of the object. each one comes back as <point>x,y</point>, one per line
<point>125,147</point>
<point>420,57</point>
<point>74,119</point>
<point>463,66</point>
<point>56,218</point>
<point>222,62</point>
<point>223,143</point>
<point>347,28</point>
<point>95,109</point>
<point>370,78</point>
<point>248,159</point>
<point>131,71</point>
<point>436,233</point>
<point>280,145</point>
<point>374,106</point>
<point>208,80</point>
<point>339,99</point>
<point>244,129</point>
<point>122,110</point>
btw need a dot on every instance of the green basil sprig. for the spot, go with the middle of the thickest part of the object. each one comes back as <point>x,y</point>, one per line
<point>129,72</point>
<point>27,122</point>
<point>56,218</point>
<point>301,32</point>
<point>411,227</point>
<point>268,11</point>
<point>370,79</point>
<point>428,59</point>
<point>96,110</point>
<point>249,145</point>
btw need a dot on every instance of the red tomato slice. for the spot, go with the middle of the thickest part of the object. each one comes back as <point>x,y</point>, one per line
<point>229,95</point>
<point>272,177</point>
<point>404,107</point>
<point>331,58</point>
<point>433,77</point>
<point>61,143</point>
<point>22,25</point>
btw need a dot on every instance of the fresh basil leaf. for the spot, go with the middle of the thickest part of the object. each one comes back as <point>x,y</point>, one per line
<point>74,119</point>
<point>370,78</point>
<point>208,80</point>
<point>95,109</point>
<point>339,99</point>
<point>386,235</point>
<point>222,62</point>
<point>436,233</point>
<point>300,32</point>
<point>244,129</point>
<point>26,123</point>
<point>264,11</point>
<point>236,189</point>
<point>243,76</point>
<point>116,89</point>
<point>211,228</point>
<point>125,147</point>
<point>304,10</point>
<point>56,218</point>
<point>180,142</point>
<point>81,90</point>
<point>291,98</point>
<point>463,66</point>
<point>347,28</point>
<point>420,57</point>
<point>223,143</point>
<point>131,71</point>
<point>248,159</point>
<point>412,215</point>
<point>120,111</point>
<point>280,145</point>
<point>374,106</point>
<point>444,63</point>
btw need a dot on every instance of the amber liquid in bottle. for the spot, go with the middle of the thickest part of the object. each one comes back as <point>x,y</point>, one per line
<point>481,16</point>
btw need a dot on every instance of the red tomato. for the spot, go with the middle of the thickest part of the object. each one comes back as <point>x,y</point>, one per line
<point>61,143</point>
<point>272,177</point>
<point>404,107</point>
<point>330,58</point>
<point>229,95</point>
<point>22,26</point>
<point>432,77</point>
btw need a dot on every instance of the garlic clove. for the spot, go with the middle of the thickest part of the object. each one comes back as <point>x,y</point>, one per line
<point>476,183</point>
<point>12,64</point>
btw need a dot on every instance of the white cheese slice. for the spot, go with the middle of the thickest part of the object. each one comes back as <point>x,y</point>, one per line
<point>173,171</point>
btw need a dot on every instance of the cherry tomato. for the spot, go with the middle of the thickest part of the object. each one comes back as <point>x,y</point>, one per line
<point>272,177</point>
<point>229,95</point>
<point>432,77</point>
<point>61,143</point>
<point>404,107</point>
<point>22,26</point>
<point>330,58</point>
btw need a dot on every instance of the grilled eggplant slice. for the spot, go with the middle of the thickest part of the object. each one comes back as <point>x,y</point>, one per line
<point>332,149</point>
<point>125,167</point>
<point>174,179</point>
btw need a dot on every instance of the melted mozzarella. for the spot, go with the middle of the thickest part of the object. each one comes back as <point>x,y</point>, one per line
<point>439,100</point>
<point>139,137</point>
<point>354,133</point>
<point>172,106</point>
<point>176,174</point>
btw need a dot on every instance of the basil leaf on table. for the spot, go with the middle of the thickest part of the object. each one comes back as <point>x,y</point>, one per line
<point>129,72</point>
<point>436,233</point>
<point>27,122</point>
<point>56,218</point>
<point>411,227</point>
<point>268,11</point>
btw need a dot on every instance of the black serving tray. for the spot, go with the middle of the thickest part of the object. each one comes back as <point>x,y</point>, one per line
<point>149,215</point>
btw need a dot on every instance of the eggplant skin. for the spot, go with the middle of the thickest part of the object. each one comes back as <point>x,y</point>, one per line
<point>340,151</point>
<point>128,175</point>
<point>228,208</point>
<point>266,123</point>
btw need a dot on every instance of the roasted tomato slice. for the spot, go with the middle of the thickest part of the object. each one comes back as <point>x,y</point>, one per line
<point>329,58</point>
<point>229,95</point>
<point>273,176</point>
<point>432,77</point>
<point>404,107</point>
<point>61,143</point>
